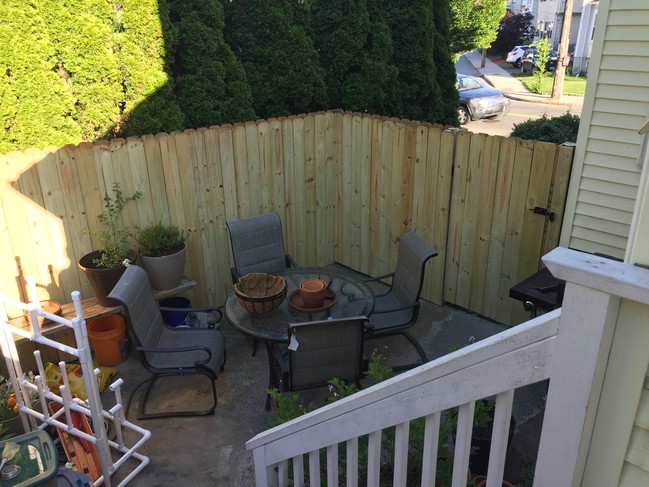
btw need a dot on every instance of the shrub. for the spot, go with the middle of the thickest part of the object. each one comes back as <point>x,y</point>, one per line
<point>549,129</point>
<point>159,240</point>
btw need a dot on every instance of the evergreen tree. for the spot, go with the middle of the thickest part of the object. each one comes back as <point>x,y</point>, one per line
<point>446,112</point>
<point>340,31</point>
<point>416,93</point>
<point>211,84</point>
<point>277,55</point>
<point>37,107</point>
<point>143,39</point>
<point>355,49</point>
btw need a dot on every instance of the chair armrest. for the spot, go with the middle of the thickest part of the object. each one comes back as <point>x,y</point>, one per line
<point>235,275</point>
<point>180,349</point>
<point>218,310</point>
<point>379,278</point>
<point>400,308</point>
<point>290,261</point>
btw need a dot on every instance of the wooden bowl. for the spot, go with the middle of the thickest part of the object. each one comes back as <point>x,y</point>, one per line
<point>259,293</point>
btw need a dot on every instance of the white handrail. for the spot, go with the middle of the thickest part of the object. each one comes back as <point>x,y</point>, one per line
<point>511,359</point>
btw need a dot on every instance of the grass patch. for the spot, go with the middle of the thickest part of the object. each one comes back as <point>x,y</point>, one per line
<point>572,85</point>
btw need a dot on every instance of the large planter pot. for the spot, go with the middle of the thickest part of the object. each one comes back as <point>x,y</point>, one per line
<point>102,281</point>
<point>165,272</point>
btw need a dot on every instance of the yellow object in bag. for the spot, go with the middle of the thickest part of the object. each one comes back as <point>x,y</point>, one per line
<point>75,378</point>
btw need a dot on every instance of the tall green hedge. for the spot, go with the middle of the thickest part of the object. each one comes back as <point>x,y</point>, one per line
<point>79,70</point>
<point>278,56</point>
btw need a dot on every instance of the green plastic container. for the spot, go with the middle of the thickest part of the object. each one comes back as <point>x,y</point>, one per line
<point>37,459</point>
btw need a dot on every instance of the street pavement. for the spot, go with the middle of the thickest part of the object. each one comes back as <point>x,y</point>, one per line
<point>512,87</point>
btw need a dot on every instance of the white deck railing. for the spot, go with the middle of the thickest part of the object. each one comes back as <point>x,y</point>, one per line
<point>493,367</point>
<point>605,308</point>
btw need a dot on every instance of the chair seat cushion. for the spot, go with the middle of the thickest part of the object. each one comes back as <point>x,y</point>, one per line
<point>188,337</point>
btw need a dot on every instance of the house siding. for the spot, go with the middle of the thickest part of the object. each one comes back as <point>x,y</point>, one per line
<point>606,172</point>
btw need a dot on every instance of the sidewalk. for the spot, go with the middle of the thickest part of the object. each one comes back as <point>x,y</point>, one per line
<point>513,88</point>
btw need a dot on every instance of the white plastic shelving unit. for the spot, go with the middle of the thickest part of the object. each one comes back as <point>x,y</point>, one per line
<point>112,454</point>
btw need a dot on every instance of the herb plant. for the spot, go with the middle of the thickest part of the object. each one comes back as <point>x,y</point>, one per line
<point>160,239</point>
<point>113,238</point>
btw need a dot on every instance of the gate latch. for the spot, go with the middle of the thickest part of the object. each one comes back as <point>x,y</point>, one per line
<point>545,212</point>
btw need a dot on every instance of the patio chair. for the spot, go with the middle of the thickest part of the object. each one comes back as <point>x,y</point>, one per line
<point>319,351</point>
<point>258,245</point>
<point>397,309</point>
<point>164,350</point>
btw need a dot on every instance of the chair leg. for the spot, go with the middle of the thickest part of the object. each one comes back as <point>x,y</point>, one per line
<point>142,414</point>
<point>225,359</point>
<point>416,344</point>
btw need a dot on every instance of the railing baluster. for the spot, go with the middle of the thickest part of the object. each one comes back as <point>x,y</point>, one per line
<point>401,437</point>
<point>352,462</point>
<point>463,444</point>
<point>431,446</point>
<point>373,458</point>
<point>498,452</point>
<point>332,465</point>
<point>282,473</point>
<point>314,467</point>
<point>298,471</point>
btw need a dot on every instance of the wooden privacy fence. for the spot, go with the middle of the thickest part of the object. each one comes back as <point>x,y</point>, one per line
<point>346,186</point>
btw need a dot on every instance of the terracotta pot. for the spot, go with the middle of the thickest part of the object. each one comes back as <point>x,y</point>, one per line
<point>313,292</point>
<point>102,281</point>
<point>165,272</point>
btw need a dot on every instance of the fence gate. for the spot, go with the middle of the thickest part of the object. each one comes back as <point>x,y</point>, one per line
<point>507,203</point>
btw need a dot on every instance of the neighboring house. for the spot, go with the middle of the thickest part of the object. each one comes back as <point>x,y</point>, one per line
<point>549,17</point>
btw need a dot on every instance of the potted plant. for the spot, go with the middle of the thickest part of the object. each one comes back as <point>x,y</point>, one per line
<point>105,266</point>
<point>162,254</point>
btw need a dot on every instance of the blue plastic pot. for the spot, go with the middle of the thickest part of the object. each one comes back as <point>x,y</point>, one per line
<point>176,318</point>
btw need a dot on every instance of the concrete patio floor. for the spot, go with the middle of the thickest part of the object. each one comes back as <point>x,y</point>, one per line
<point>210,450</point>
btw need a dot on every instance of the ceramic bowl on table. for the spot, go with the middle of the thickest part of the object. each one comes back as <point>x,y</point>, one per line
<point>259,293</point>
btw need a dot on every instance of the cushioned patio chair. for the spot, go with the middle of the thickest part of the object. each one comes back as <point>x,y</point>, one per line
<point>398,309</point>
<point>319,351</point>
<point>258,245</point>
<point>164,350</point>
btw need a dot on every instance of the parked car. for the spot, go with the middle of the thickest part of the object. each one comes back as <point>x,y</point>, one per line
<point>514,56</point>
<point>528,61</point>
<point>479,100</point>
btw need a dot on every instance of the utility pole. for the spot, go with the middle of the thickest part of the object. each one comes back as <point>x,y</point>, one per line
<point>557,87</point>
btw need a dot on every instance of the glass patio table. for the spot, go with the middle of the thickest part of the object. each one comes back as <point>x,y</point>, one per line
<point>353,298</point>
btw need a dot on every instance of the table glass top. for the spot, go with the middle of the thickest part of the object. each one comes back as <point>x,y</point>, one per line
<point>354,299</point>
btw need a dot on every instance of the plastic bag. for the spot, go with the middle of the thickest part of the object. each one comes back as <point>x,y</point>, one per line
<point>75,378</point>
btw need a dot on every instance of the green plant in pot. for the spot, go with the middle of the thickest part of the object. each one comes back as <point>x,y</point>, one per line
<point>105,266</point>
<point>162,254</point>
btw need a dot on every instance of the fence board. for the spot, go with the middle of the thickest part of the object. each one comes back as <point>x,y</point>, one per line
<point>482,237</point>
<point>311,175</point>
<point>458,191</point>
<point>346,185</point>
<point>156,180</point>
<point>496,288</point>
<point>557,204</point>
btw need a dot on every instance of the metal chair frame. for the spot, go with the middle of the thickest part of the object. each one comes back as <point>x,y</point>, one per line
<point>163,350</point>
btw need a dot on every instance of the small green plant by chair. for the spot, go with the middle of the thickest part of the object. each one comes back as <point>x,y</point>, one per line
<point>158,240</point>
<point>113,238</point>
